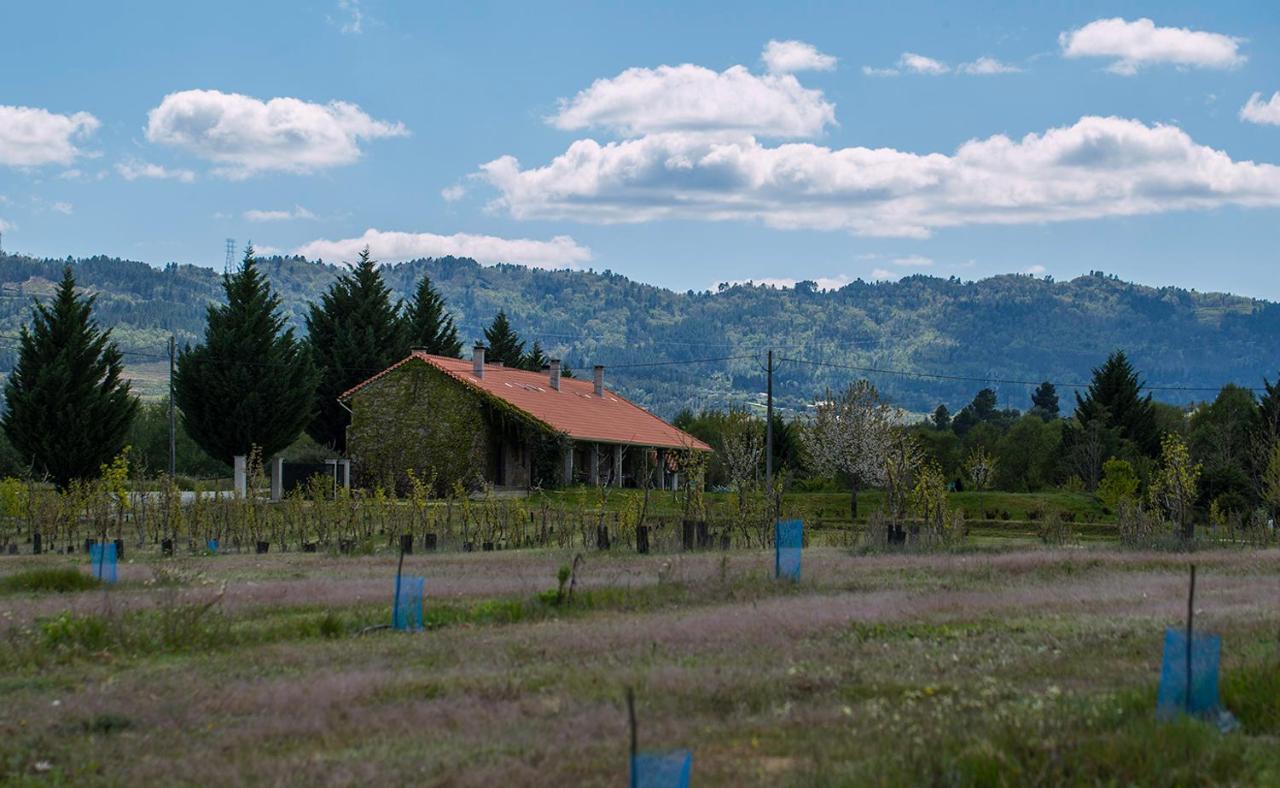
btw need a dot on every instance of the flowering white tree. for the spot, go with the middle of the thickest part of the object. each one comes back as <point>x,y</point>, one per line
<point>850,435</point>
<point>742,448</point>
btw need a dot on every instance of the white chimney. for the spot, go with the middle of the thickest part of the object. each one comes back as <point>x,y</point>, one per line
<point>555,374</point>
<point>599,376</point>
<point>477,360</point>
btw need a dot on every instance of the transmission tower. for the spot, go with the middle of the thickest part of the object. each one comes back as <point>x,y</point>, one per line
<point>231,256</point>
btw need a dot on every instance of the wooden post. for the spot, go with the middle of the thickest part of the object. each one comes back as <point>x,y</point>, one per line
<point>631,719</point>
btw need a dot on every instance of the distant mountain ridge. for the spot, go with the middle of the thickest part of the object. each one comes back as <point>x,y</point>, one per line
<point>1014,329</point>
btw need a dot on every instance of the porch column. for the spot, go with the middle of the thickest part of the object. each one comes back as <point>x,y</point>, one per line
<point>566,459</point>
<point>617,465</point>
<point>594,474</point>
<point>662,469</point>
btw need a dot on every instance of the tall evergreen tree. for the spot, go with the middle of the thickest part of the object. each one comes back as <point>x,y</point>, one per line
<point>428,325</point>
<point>1045,401</point>
<point>251,383</point>
<point>536,359</point>
<point>67,410</point>
<point>1115,396</point>
<point>354,332</point>
<point>505,345</point>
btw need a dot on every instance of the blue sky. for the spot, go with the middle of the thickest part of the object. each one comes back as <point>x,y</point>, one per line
<point>867,141</point>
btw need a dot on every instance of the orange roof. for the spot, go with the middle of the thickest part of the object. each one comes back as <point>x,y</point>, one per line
<point>574,410</point>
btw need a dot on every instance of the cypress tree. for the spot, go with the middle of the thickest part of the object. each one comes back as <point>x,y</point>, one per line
<point>504,344</point>
<point>428,325</point>
<point>251,383</point>
<point>354,332</point>
<point>67,410</point>
<point>1045,401</point>
<point>1115,396</point>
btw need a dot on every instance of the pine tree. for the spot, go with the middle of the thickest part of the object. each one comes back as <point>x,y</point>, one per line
<point>1045,401</point>
<point>354,332</point>
<point>941,418</point>
<point>536,359</point>
<point>1115,396</point>
<point>251,384</point>
<point>67,411</point>
<point>428,325</point>
<point>505,345</point>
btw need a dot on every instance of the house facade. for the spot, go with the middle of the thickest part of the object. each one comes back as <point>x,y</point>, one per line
<point>449,421</point>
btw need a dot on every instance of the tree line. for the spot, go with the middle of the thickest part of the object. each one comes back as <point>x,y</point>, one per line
<point>251,384</point>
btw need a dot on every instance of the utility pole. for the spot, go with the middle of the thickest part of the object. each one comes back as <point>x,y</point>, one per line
<point>173,414</point>
<point>768,427</point>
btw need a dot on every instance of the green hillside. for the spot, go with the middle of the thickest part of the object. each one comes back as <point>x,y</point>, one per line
<point>1007,328</point>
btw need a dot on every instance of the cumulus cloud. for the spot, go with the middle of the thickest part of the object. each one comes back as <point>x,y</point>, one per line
<point>882,275</point>
<point>387,246</point>
<point>1258,111</point>
<point>244,136</point>
<point>788,57</point>
<point>986,66</point>
<point>132,170</point>
<point>298,212</point>
<point>1096,167</point>
<point>692,98</point>
<point>787,283</point>
<point>453,193</point>
<point>910,61</point>
<point>1140,43</point>
<point>914,261</point>
<point>1035,270</point>
<point>32,137</point>
<point>872,71</point>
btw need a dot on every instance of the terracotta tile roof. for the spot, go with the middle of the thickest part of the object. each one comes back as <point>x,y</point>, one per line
<point>574,410</point>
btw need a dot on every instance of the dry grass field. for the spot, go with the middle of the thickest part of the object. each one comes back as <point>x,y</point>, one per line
<point>1019,667</point>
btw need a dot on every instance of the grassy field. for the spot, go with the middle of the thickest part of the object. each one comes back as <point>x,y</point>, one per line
<point>1022,666</point>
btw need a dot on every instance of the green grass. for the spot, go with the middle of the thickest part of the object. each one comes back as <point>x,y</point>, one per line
<point>45,580</point>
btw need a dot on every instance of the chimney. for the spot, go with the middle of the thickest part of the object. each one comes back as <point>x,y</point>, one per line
<point>599,376</point>
<point>477,360</point>
<point>555,374</point>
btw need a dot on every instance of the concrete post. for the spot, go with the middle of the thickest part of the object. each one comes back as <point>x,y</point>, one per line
<point>595,464</point>
<point>240,479</point>
<point>662,469</point>
<point>277,478</point>
<point>567,464</point>
<point>617,465</point>
<point>346,473</point>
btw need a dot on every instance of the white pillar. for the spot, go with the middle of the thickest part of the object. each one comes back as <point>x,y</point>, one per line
<point>240,475</point>
<point>277,478</point>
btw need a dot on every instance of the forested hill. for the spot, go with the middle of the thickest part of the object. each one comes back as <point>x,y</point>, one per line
<point>1008,328</point>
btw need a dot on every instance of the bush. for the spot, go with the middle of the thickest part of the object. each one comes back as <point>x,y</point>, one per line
<point>1054,530</point>
<point>61,580</point>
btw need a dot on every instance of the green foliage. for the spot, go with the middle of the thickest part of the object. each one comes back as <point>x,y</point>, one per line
<point>1044,401</point>
<point>1221,437</point>
<point>59,580</point>
<point>149,437</point>
<point>354,332</point>
<point>1119,483</point>
<point>504,345</point>
<point>1115,398</point>
<point>427,323</point>
<point>67,410</point>
<point>251,383</point>
<point>1252,693</point>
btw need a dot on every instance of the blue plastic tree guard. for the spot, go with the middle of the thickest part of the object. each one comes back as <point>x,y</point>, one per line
<point>788,543</point>
<point>102,558</point>
<point>661,770</point>
<point>406,610</point>
<point>1205,653</point>
<point>212,545</point>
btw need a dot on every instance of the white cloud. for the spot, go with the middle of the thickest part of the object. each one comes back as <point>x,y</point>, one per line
<point>453,193</point>
<point>132,170</point>
<point>695,99</point>
<point>872,71</point>
<point>882,275</point>
<point>298,212</point>
<point>353,17</point>
<point>1258,111</point>
<point>245,136</point>
<point>985,66</point>
<point>1035,270</point>
<point>386,246</point>
<point>1096,167</point>
<point>64,208</point>
<point>1140,43</point>
<point>920,64</point>
<point>913,261</point>
<point>786,283</point>
<point>31,137</point>
<point>7,226</point>
<point>788,57</point>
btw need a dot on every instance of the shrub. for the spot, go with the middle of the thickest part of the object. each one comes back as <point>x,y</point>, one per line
<point>42,580</point>
<point>1054,530</point>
